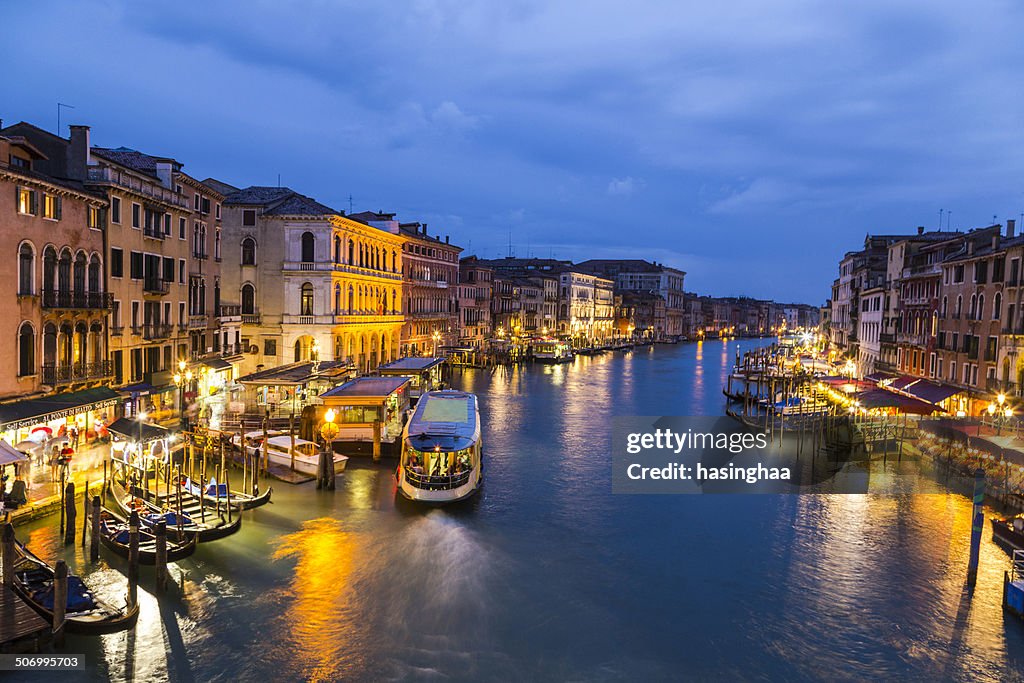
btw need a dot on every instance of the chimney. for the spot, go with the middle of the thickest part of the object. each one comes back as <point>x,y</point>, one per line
<point>78,155</point>
<point>1011,228</point>
<point>424,228</point>
<point>163,172</point>
<point>446,240</point>
<point>920,230</point>
<point>970,247</point>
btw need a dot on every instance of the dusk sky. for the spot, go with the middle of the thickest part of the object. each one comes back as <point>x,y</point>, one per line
<point>747,143</point>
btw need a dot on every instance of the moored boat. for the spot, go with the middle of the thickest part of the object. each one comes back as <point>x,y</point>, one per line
<point>1009,531</point>
<point>551,351</point>
<point>307,453</point>
<point>84,614</point>
<point>214,494</point>
<point>193,519</point>
<point>442,458</point>
<point>114,534</point>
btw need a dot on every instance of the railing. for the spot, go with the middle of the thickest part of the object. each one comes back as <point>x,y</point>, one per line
<point>104,174</point>
<point>423,282</point>
<point>197,322</point>
<point>355,318</point>
<point>432,483</point>
<point>157,331</point>
<point>1002,386</point>
<point>887,338</point>
<point>251,318</point>
<point>232,350</point>
<point>200,255</point>
<point>154,231</point>
<point>429,315</point>
<point>63,374</point>
<point>156,286</point>
<point>101,301</point>
<point>230,311</point>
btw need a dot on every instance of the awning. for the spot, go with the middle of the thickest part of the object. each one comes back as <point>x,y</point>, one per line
<point>879,376</point>
<point>902,382</point>
<point>132,429</point>
<point>880,398</point>
<point>144,389</point>
<point>217,364</point>
<point>33,411</point>
<point>932,392</point>
<point>10,455</point>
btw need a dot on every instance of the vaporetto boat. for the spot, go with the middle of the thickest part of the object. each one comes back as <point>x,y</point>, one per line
<point>441,449</point>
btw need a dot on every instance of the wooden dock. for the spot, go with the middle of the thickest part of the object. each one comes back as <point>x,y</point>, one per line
<point>21,629</point>
<point>285,474</point>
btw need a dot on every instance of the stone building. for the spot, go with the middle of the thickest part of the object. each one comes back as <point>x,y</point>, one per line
<point>310,283</point>
<point>53,230</point>
<point>475,287</point>
<point>636,275</point>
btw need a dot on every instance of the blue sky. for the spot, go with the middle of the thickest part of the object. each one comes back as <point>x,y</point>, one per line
<point>749,143</point>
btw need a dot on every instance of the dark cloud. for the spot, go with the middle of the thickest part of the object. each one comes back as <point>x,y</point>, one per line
<point>732,140</point>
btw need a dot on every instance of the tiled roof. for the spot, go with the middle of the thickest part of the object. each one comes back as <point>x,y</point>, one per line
<point>220,186</point>
<point>619,266</point>
<point>133,159</point>
<point>298,205</point>
<point>257,194</point>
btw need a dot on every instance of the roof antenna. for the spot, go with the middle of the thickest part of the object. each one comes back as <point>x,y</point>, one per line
<point>510,242</point>
<point>941,211</point>
<point>279,180</point>
<point>350,203</point>
<point>59,105</point>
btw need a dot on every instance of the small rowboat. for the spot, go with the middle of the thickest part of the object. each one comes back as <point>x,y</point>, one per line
<point>114,535</point>
<point>85,613</point>
<point>191,521</point>
<point>214,493</point>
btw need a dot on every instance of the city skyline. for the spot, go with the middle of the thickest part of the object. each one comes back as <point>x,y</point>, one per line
<point>564,139</point>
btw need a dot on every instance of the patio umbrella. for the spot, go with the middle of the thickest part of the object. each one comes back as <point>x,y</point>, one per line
<point>9,455</point>
<point>41,433</point>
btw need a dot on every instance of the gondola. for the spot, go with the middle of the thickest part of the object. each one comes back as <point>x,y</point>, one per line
<point>114,535</point>
<point>214,527</point>
<point>85,613</point>
<point>215,491</point>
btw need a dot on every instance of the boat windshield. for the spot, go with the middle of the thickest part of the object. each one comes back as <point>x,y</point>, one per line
<point>438,463</point>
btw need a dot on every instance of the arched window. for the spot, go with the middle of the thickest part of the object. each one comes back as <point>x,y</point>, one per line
<point>248,299</point>
<point>94,274</point>
<point>394,262</point>
<point>337,299</point>
<point>337,249</point>
<point>26,261</point>
<point>49,268</point>
<point>935,323</point>
<point>351,252</point>
<point>959,306</point>
<point>945,302</point>
<point>78,347</point>
<point>308,247</point>
<point>64,271</point>
<point>64,345</point>
<point>26,350</point>
<point>216,245</point>
<point>306,301</point>
<point>997,303</point>
<point>216,296</point>
<point>351,299</point>
<point>981,307</point>
<point>50,345</point>
<point>80,267</point>
<point>248,252</point>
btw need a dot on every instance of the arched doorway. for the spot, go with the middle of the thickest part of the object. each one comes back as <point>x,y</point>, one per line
<point>304,348</point>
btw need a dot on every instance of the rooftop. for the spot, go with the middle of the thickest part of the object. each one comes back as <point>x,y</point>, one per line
<point>411,363</point>
<point>368,386</point>
<point>298,373</point>
<point>133,159</point>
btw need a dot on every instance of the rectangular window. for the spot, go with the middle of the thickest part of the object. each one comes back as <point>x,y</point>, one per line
<point>205,206</point>
<point>26,201</point>
<point>249,217</point>
<point>115,210</point>
<point>97,217</point>
<point>952,370</point>
<point>181,312</point>
<point>51,207</point>
<point>181,271</point>
<point>269,347</point>
<point>136,265</point>
<point>990,349</point>
<point>181,228</point>
<point>135,314</point>
<point>167,224</point>
<point>116,262</point>
<point>218,210</point>
<point>168,269</point>
<point>136,215</point>
<point>115,314</point>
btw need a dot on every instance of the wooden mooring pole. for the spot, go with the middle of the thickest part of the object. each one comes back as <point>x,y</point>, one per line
<point>8,554</point>
<point>977,526</point>
<point>94,536</point>
<point>60,600</point>
<point>160,532</point>
<point>133,557</point>
<point>69,504</point>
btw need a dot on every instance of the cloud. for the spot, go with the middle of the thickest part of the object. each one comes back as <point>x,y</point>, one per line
<point>762,193</point>
<point>624,187</point>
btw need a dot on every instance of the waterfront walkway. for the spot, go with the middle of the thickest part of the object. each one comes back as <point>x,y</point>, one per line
<point>44,491</point>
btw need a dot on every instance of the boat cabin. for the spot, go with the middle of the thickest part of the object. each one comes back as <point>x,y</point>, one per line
<point>368,409</point>
<point>425,374</point>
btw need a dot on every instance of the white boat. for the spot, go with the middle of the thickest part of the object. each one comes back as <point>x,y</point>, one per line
<point>551,351</point>
<point>442,459</point>
<point>307,453</point>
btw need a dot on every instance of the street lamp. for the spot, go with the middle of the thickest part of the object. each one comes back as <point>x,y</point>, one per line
<point>328,430</point>
<point>436,336</point>
<point>182,378</point>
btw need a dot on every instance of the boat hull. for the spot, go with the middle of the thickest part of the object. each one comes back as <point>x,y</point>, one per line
<point>1004,533</point>
<point>302,464</point>
<point>440,496</point>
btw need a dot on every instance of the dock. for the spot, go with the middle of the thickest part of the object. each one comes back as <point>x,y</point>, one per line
<point>21,629</point>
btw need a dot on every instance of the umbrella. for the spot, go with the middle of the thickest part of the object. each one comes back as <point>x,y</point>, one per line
<point>28,446</point>
<point>46,430</point>
<point>9,455</point>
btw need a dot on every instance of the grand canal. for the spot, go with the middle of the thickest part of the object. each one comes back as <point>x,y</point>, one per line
<point>548,576</point>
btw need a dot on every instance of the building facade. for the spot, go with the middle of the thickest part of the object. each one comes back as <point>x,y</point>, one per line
<point>475,288</point>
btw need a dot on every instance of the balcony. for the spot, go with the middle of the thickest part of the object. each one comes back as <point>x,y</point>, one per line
<point>330,266</point>
<point>232,350</point>
<point>96,301</point>
<point>78,372</point>
<point>197,322</point>
<point>109,176</point>
<point>157,330</point>
<point>200,255</point>
<point>887,338</point>
<point>251,318</point>
<point>154,285</point>
<point>229,313</point>
<point>116,330</point>
<point>439,284</point>
<point>1000,386</point>
<point>155,232</point>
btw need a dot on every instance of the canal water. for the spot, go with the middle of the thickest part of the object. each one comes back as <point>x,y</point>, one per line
<point>549,576</point>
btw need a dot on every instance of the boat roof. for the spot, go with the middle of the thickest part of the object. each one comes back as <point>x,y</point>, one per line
<point>412,364</point>
<point>368,386</point>
<point>449,412</point>
<point>287,440</point>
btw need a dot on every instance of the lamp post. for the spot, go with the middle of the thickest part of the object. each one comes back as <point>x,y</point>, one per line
<point>436,336</point>
<point>182,378</point>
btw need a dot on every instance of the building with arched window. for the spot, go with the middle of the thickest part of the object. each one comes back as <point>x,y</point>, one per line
<point>310,282</point>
